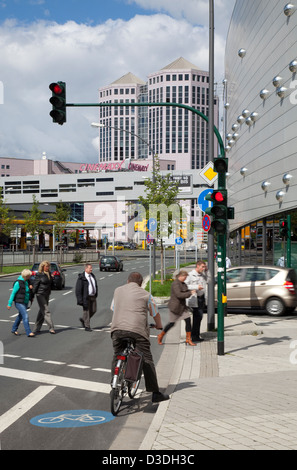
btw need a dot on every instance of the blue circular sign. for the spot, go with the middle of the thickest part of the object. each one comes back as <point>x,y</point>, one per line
<point>202,203</point>
<point>72,419</point>
<point>179,241</point>
<point>152,225</point>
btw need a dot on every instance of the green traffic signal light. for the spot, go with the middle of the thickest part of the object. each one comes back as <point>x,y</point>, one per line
<point>58,100</point>
<point>219,210</point>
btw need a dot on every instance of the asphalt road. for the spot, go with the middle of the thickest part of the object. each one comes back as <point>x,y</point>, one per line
<point>65,372</point>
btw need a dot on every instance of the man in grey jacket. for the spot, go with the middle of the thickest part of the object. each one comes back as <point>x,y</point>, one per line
<point>197,279</point>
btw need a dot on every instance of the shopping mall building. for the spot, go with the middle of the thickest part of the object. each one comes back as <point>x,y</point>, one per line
<point>261,116</point>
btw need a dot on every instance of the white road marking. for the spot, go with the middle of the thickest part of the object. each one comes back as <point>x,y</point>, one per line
<point>55,380</point>
<point>78,366</point>
<point>69,292</point>
<point>15,413</point>
<point>32,359</point>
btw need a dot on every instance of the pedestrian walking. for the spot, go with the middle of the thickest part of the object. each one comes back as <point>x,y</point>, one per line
<point>86,291</point>
<point>197,280</point>
<point>21,295</point>
<point>178,309</point>
<point>42,289</point>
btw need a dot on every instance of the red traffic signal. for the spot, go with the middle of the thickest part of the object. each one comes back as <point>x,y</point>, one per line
<point>219,210</point>
<point>58,101</point>
<point>56,88</point>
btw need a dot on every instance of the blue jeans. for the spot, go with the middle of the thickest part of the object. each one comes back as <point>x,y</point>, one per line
<point>23,315</point>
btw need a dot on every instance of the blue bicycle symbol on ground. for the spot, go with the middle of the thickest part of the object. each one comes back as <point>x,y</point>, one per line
<point>72,418</point>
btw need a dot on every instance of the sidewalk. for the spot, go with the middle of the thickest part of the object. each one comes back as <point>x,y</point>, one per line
<point>244,400</point>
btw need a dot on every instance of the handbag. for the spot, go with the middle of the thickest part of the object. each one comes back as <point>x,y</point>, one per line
<point>134,366</point>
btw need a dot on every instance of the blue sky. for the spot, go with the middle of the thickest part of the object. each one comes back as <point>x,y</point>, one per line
<point>61,11</point>
<point>89,44</point>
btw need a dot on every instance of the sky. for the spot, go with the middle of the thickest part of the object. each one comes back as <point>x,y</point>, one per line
<point>89,44</point>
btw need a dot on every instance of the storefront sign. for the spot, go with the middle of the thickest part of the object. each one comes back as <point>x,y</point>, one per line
<point>115,166</point>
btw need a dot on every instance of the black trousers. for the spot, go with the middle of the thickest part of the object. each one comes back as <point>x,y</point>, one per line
<point>197,317</point>
<point>143,345</point>
<point>171,324</point>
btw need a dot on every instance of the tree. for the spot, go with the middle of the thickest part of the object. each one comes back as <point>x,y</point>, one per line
<point>161,203</point>
<point>6,224</point>
<point>62,216</point>
<point>6,218</point>
<point>32,222</point>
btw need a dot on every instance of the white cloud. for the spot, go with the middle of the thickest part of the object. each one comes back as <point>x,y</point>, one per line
<point>85,57</point>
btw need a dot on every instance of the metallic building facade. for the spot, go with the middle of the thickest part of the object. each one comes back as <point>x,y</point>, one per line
<point>261,73</point>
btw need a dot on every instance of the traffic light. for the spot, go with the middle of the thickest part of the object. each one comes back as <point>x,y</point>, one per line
<point>283,228</point>
<point>58,100</point>
<point>220,165</point>
<point>219,210</point>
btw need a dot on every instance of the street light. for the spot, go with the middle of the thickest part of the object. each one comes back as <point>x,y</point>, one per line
<point>107,126</point>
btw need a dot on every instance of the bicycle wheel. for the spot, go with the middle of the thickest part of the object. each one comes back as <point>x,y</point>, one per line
<point>117,392</point>
<point>132,388</point>
<point>116,399</point>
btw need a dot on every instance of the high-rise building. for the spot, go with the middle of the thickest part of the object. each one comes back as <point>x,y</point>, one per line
<point>175,134</point>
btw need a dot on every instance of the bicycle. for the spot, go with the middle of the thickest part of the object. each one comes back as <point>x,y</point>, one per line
<point>120,385</point>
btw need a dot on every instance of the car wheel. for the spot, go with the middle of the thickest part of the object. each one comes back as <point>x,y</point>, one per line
<point>275,307</point>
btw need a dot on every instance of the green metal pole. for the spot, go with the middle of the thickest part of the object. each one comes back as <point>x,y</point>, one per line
<point>221,293</point>
<point>222,301</point>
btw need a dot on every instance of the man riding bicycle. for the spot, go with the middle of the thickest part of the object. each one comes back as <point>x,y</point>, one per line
<point>130,308</point>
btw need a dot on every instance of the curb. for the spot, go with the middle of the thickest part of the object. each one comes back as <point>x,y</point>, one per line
<point>160,414</point>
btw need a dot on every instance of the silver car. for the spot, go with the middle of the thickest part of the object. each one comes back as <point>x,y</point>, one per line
<point>266,287</point>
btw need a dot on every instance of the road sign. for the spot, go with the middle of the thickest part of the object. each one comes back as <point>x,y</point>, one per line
<point>152,225</point>
<point>149,239</point>
<point>208,174</point>
<point>179,241</point>
<point>206,223</point>
<point>202,203</point>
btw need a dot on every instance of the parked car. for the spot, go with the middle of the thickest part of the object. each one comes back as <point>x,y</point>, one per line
<point>57,273</point>
<point>117,246</point>
<point>129,245</point>
<point>266,287</point>
<point>106,263</point>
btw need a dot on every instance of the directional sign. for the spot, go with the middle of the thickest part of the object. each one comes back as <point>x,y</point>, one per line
<point>202,203</point>
<point>179,241</point>
<point>206,223</point>
<point>152,225</point>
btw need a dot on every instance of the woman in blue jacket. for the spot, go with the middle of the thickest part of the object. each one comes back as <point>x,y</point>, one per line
<point>21,295</point>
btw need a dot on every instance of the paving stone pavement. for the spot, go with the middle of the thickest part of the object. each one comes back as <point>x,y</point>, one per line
<point>243,400</point>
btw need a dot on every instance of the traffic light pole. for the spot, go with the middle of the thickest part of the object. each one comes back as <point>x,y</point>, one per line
<point>222,299</point>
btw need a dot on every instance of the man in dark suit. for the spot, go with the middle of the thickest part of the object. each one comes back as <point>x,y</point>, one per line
<point>86,292</point>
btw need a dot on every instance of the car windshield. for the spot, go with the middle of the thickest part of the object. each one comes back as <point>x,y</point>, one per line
<point>109,259</point>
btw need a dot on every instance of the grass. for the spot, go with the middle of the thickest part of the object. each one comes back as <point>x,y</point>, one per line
<point>13,269</point>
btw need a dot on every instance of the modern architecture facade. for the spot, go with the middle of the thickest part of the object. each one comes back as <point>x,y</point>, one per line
<point>261,140</point>
<point>175,134</point>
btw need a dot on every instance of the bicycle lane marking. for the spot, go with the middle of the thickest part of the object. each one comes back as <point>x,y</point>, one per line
<point>15,413</point>
<point>72,419</point>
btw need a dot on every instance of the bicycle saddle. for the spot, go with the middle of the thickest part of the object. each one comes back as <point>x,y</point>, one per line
<point>128,340</point>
